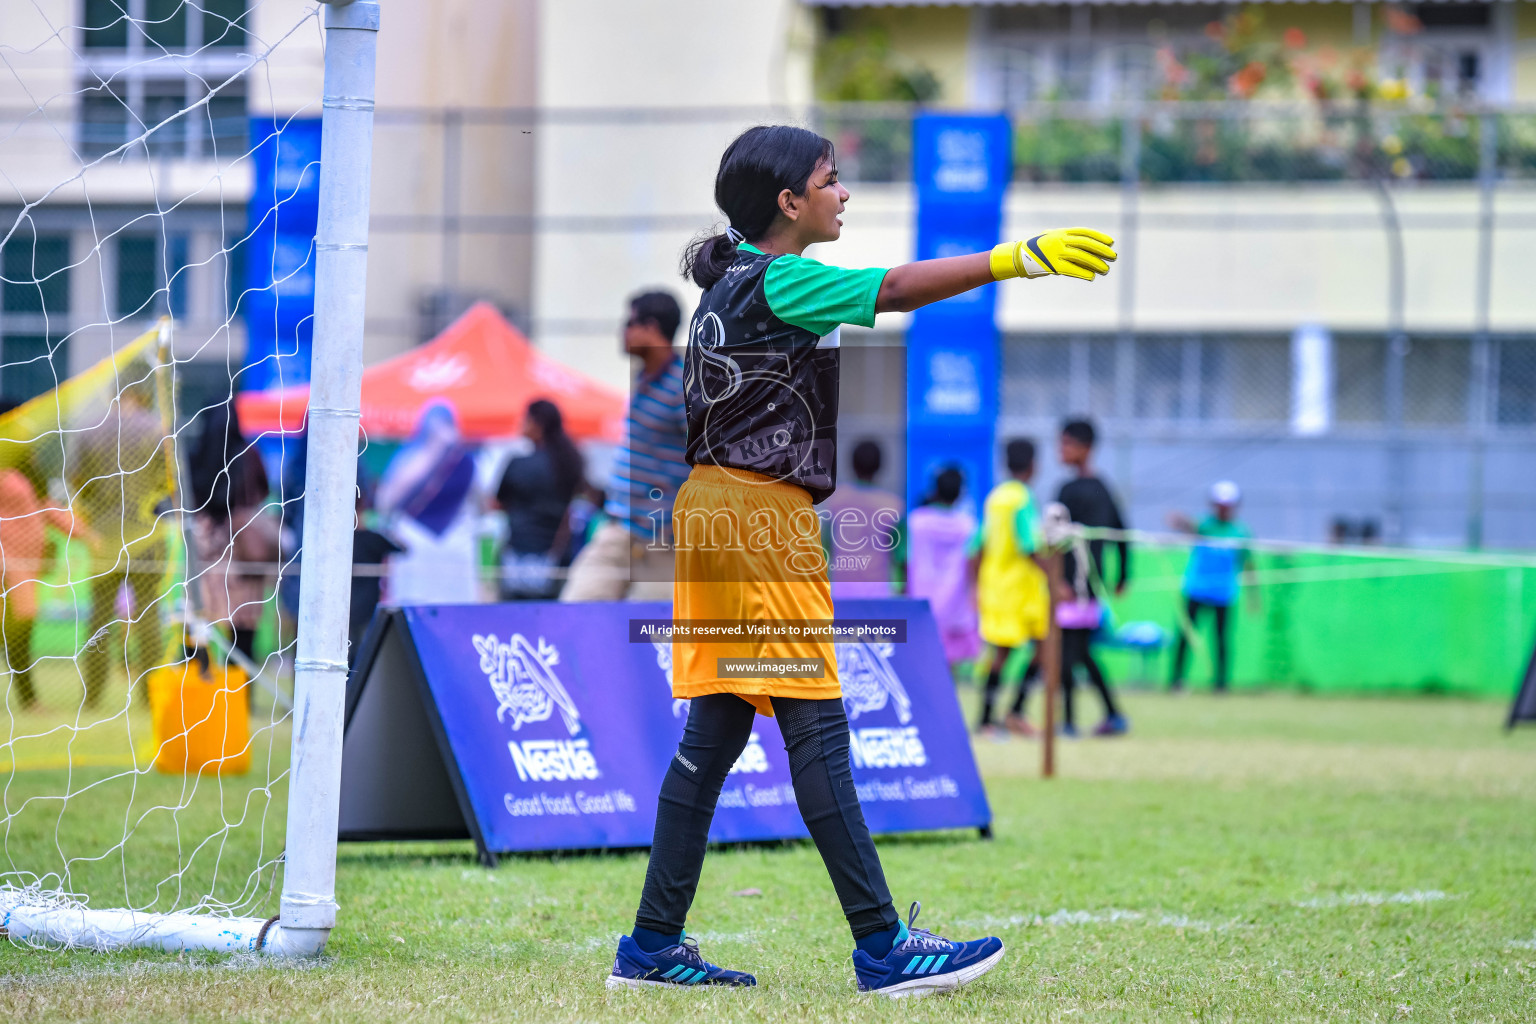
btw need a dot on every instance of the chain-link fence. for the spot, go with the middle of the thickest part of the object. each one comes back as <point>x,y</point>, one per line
<point>1189,409</point>
<point>457,219</point>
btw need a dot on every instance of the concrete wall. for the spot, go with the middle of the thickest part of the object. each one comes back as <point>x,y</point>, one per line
<point>473,54</point>
<point>618,196</point>
<point>438,181</point>
<point>1524,17</point>
<point>469,55</point>
<point>1241,257</point>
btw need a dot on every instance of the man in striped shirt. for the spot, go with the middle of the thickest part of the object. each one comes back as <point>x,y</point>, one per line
<point>630,555</point>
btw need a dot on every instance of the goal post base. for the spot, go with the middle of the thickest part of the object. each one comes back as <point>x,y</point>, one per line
<point>27,919</point>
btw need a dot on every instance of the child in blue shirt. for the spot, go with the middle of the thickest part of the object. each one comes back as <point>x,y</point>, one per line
<point>1212,575</point>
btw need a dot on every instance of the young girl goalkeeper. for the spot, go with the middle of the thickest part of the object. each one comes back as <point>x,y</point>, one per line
<point>762,392</point>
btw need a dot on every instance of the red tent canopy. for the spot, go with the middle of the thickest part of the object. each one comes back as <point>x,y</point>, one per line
<point>481,364</point>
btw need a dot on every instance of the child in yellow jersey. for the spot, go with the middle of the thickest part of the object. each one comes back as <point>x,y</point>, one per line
<point>1012,591</point>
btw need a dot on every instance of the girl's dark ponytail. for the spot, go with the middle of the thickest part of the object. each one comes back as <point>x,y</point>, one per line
<point>707,258</point>
<point>755,168</point>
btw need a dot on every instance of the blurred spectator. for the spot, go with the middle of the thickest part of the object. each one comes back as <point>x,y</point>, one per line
<point>1012,590</point>
<point>1211,578</point>
<point>933,555</point>
<point>430,504</point>
<point>370,551</point>
<point>116,474</point>
<point>24,523</point>
<point>631,552</point>
<point>1078,611</point>
<point>1344,530</point>
<point>861,529</point>
<point>535,492</point>
<point>295,466</point>
<point>585,517</point>
<point>233,528</point>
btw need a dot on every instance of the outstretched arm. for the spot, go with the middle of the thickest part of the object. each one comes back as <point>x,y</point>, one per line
<point>1070,252</point>
<point>911,285</point>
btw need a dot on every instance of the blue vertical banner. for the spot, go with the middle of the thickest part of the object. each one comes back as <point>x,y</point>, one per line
<point>279,289</point>
<point>961,167</point>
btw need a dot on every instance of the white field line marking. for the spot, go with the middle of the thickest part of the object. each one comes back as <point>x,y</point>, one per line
<point>1375,899</point>
<point>724,936</point>
<point>1089,917</point>
<point>591,943</point>
<point>1521,944</point>
<point>148,968</point>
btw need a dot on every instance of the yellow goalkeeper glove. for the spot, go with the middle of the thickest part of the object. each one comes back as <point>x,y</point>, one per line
<point>1070,252</point>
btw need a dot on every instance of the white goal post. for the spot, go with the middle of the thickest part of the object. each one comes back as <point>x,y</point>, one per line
<point>308,907</point>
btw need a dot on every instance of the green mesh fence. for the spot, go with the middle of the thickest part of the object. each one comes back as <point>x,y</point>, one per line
<point>1344,623</point>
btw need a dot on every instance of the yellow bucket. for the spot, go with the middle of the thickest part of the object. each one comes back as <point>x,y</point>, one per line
<point>202,719</point>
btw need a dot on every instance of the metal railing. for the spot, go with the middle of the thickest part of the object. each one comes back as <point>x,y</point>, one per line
<point>1187,142</point>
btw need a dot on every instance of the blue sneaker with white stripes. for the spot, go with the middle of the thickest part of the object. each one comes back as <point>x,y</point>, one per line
<point>922,962</point>
<point>681,965</point>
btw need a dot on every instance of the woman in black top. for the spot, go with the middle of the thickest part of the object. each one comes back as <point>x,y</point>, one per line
<point>535,493</point>
<point>1089,503</point>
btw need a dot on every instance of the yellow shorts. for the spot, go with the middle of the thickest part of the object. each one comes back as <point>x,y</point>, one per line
<point>1012,617</point>
<point>748,549</point>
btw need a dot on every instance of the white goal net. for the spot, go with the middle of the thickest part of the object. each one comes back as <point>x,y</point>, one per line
<point>158,168</point>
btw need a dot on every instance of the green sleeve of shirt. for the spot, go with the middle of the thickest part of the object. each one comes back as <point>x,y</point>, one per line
<point>899,554</point>
<point>899,543</point>
<point>978,541</point>
<point>818,298</point>
<point>1025,531</point>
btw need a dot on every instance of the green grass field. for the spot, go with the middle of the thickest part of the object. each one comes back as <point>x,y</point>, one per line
<point>1262,857</point>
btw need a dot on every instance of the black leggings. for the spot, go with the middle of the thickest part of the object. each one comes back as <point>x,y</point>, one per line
<point>1192,611</point>
<point>816,739</point>
<point>1075,651</point>
<point>1000,657</point>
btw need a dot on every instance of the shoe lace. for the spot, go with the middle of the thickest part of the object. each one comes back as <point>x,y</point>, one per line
<point>688,950</point>
<point>922,938</point>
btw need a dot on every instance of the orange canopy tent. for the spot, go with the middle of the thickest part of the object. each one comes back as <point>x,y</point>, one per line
<point>482,365</point>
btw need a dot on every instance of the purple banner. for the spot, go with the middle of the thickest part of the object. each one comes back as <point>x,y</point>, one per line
<point>562,728</point>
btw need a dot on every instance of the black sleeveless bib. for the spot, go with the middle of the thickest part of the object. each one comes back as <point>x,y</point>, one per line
<point>761,393</point>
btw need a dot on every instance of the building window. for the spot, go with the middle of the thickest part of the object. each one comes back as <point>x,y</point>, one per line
<point>34,312</point>
<point>233,268</point>
<point>152,275</point>
<point>1037,374</point>
<point>1242,380</point>
<point>31,365</point>
<point>1360,381</point>
<point>1452,51</point>
<point>1245,379</point>
<point>143,62</point>
<point>36,273</point>
<point>1437,379</point>
<point>1517,382</point>
<point>164,26</point>
<point>1084,52</point>
<point>1246,382</point>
